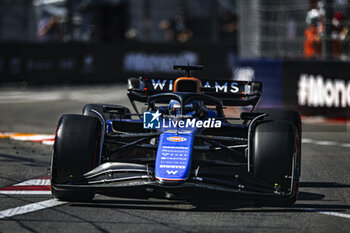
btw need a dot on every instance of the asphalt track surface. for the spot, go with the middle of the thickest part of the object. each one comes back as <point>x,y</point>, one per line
<point>323,204</point>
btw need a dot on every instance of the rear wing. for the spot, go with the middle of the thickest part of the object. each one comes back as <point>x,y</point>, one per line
<point>232,93</point>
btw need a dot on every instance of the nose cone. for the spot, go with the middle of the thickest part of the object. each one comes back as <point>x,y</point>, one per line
<point>173,161</point>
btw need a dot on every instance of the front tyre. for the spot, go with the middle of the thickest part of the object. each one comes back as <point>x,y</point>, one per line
<point>75,152</point>
<point>274,157</point>
<point>291,116</point>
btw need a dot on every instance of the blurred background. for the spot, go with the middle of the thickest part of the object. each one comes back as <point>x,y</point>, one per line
<point>300,49</point>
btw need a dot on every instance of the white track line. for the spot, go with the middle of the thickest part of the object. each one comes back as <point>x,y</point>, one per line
<point>34,182</point>
<point>24,192</point>
<point>335,214</point>
<point>50,143</point>
<point>35,187</point>
<point>30,208</point>
<point>324,143</point>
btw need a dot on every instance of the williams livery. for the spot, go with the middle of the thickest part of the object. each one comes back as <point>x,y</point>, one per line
<point>182,145</point>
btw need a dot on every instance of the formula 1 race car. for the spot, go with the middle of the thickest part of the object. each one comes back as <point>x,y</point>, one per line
<point>181,146</point>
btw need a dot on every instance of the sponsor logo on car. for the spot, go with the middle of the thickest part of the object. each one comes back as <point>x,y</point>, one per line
<point>171,172</point>
<point>176,139</point>
<point>220,87</point>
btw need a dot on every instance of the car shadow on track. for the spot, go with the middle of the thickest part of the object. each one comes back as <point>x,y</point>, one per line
<point>236,205</point>
<point>306,201</point>
<point>323,185</point>
<point>308,196</point>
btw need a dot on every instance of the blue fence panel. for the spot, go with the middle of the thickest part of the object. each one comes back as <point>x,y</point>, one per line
<point>267,71</point>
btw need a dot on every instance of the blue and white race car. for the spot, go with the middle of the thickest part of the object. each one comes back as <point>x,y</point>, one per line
<point>181,146</point>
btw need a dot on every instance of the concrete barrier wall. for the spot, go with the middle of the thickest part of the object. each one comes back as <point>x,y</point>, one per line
<point>311,87</point>
<point>82,63</point>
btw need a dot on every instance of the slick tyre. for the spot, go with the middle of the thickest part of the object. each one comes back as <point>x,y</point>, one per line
<point>75,152</point>
<point>291,116</point>
<point>273,156</point>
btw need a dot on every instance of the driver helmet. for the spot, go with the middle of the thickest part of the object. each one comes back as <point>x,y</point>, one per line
<point>189,109</point>
<point>174,108</point>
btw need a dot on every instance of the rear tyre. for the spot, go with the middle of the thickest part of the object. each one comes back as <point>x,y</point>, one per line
<point>273,156</point>
<point>75,152</point>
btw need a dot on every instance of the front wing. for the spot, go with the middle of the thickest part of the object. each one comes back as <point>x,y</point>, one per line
<point>115,178</point>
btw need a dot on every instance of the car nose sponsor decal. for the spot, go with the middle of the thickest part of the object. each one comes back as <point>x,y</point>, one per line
<point>174,155</point>
<point>176,139</point>
<point>171,172</point>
